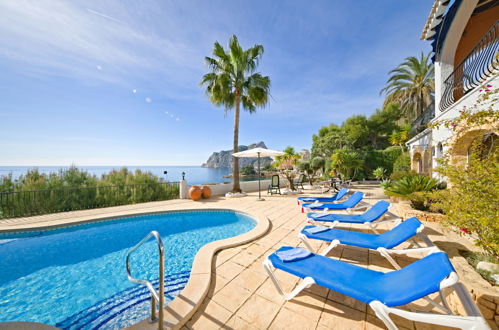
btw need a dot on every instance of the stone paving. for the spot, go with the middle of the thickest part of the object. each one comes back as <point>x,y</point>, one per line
<point>241,296</point>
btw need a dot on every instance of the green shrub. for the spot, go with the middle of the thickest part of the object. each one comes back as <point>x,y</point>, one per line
<point>379,173</point>
<point>402,163</point>
<point>248,170</point>
<point>428,201</point>
<point>347,162</point>
<point>76,189</point>
<point>268,168</point>
<point>402,174</point>
<point>386,183</point>
<point>410,184</point>
<point>381,158</point>
<point>473,200</point>
<point>311,168</point>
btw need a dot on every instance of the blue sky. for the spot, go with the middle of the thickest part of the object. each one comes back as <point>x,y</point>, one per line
<point>117,82</point>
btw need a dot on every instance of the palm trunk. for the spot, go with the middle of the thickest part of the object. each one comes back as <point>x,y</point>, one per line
<point>290,178</point>
<point>235,170</point>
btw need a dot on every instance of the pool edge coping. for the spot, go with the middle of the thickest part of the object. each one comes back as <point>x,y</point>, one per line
<point>182,307</point>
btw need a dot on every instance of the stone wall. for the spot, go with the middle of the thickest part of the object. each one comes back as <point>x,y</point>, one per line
<point>404,210</point>
<point>485,295</point>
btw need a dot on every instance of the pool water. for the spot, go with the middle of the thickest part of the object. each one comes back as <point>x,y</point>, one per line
<point>75,277</point>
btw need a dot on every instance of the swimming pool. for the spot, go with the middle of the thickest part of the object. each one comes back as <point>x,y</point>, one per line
<point>74,277</point>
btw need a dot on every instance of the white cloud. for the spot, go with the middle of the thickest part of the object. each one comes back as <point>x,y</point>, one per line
<point>134,91</point>
<point>148,99</point>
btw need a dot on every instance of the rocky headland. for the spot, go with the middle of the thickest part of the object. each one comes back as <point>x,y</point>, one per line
<point>223,159</point>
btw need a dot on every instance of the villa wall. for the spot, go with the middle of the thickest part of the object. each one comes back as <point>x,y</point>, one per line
<point>443,135</point>
<point>474,31</point>
<point>422,147</point>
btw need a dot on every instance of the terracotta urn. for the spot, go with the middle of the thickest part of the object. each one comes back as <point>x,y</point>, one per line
<point>195,193</point>
<point>206,191</point>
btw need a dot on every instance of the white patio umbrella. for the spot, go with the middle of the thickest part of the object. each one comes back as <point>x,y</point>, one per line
<point>258,152</point>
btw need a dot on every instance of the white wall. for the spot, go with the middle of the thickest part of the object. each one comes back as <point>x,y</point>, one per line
<point>423,141</point>
<point>442,135</point>
<point>246,186</point>
<point>444,64</point>
<point>466,102</point>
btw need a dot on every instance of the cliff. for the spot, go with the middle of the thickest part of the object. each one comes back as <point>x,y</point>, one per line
<point>224,158</point>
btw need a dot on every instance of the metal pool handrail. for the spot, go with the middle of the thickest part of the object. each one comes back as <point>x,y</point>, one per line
<point>155,296</point>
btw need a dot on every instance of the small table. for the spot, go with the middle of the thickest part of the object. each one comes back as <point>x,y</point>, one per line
<point>331,184</point>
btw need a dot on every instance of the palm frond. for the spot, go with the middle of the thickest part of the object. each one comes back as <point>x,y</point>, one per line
<point>411,84</point>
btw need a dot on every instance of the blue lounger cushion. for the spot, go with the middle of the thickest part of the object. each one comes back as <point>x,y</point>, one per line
<point>390,239</point>
<point>373,214</point>
<point>294,254</point>
<point>336,197</point>
<point>315,229</point>
<point>394,288</point>
<point>349,203</point>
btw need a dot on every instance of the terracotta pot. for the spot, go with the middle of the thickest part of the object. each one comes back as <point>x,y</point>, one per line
<point>206,191</point>
<point>195,193</point>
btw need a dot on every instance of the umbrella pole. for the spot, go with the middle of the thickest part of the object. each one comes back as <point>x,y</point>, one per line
<point>259,178</point>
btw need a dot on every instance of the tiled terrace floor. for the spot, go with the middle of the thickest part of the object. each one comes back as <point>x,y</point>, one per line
<point>241,295</point>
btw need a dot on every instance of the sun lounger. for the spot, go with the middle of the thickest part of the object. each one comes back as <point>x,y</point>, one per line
<point>371,217</point>
<point>383,291</point>
<point>333,199</point>
<point>349,204</point>
<point>383,243</point>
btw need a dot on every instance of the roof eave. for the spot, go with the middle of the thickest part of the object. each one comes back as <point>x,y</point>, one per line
<point>434,18</point>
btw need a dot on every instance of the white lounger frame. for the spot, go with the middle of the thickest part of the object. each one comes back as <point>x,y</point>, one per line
<point>429,249</point>
<point>473,320</point>
<point>359,206</point>
<point>334,202</point>
<point>371,225</point>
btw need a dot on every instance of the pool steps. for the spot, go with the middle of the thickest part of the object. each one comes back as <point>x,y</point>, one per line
<point>133,300</point>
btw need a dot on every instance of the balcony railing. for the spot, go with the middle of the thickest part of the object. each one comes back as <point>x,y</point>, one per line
<point>480,64</point>
<point>35,202</point>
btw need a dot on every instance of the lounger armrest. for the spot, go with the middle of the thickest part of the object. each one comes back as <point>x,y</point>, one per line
<point>360,206</point>
<point>305,283</point>
<point>392,216</point>
<point>462,322</point>
<point>425,239</point>
<point>469,305</point>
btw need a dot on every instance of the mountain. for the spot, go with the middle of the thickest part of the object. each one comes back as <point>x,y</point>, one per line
<point>224,158</point>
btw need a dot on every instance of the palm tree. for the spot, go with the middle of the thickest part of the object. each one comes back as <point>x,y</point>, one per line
<point>347,162</point>
<point>287,163</point>
<point>233,82</point>
<point>412,85</point>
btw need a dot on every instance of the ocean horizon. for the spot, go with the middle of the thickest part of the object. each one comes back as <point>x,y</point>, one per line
<point>193,174</point>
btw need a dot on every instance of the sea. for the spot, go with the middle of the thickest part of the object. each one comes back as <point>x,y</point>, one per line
<point>193,174</point>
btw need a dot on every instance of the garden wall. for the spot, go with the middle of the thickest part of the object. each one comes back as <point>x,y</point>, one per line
<point>223,188</point>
